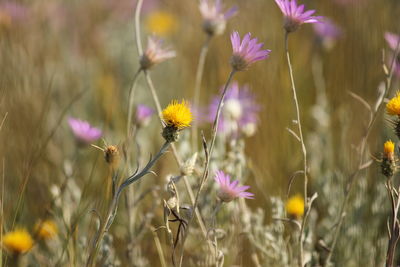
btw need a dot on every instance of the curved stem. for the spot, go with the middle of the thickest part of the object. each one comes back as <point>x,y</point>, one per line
<point>131,99</point>
<point>197,87</point>
<point>137,27</point>
<point>303,148</point>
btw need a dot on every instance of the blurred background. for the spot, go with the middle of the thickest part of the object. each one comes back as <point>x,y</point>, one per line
<point>78,58</point>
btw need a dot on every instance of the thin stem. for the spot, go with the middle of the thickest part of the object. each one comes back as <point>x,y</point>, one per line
<point>197,87</point>
<point>213,225</point>
<point>131,99</point>
<point>137,27</point>
<point>154,95</point>
<point>363,146</point>
<point>159,247</point>
<point>208,157</point>
<point>217,117</point>
<point>303,148</point>
<point>393,234</point>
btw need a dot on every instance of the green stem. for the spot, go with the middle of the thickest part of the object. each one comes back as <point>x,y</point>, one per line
<point>303,148</point>
<point>197,87</point>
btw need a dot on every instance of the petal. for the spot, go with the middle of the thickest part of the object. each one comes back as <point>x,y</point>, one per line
<point>231,12</point>
<point>242,188</point>
<point>245,41</point>
<point>234,184</point>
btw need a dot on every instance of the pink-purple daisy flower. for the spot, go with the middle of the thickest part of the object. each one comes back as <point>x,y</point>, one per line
<point>214,18</point>
<point>239,113</point>
<point>155,53</point>
<point>83,131</point>
<point>246,52</point>
<point>392,40</point>
<point>295,15</point>
<point>143,114</point>
<point>229,191</point>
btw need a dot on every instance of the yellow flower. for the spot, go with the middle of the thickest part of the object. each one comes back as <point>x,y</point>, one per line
<point>295,206</point>
<point>161,23</point>
<point>18,241</point>
<point>388,149</point>
<point>46,229</point>
<point>393,106</point>
<point>177,115</point>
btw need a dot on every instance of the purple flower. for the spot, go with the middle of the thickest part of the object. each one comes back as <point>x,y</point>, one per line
<point>11,11</point>
<point>295,15</point>
<point>327,31</point>
<point>239,113</point>
<point>214,19</point>
<point>229,191</point>
<point>246,52</point>
<point>392,40</point>
<point>143,114</point>
<point>83,131</point>
<point>155,53</point>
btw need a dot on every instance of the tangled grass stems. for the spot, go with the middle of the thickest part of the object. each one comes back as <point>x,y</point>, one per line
<point>362,165</point>
<point>158,107</point>
<point>208,152</point>
<point>39,153</point>
<point>112,211</point>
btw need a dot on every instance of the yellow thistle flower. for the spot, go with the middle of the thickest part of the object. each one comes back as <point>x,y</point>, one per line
<point>177,115</point>
<point>18,241</point>
<point>295,206</point>
<point>393,106</point>
<point>46,230</point>
<point>161,23</point>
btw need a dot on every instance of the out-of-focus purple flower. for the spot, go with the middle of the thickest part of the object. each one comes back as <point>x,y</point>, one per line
<point>143,114</point>
<point>83,131</point>
<point>155,53</point>
<point>392,40</point>
<point>295,15</point>
<point>246,52</point>
<point>214,19</point>
<point>229,191</point>
<point>11,12</point>
<point>327,32</point>
<point>239,113</point>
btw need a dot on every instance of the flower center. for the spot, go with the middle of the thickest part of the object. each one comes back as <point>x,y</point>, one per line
<point>233,109</point>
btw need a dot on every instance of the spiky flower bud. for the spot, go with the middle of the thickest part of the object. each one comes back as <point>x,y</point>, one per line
<point>111,155</point>
<point>388,165</point>
<point>170,133</point>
